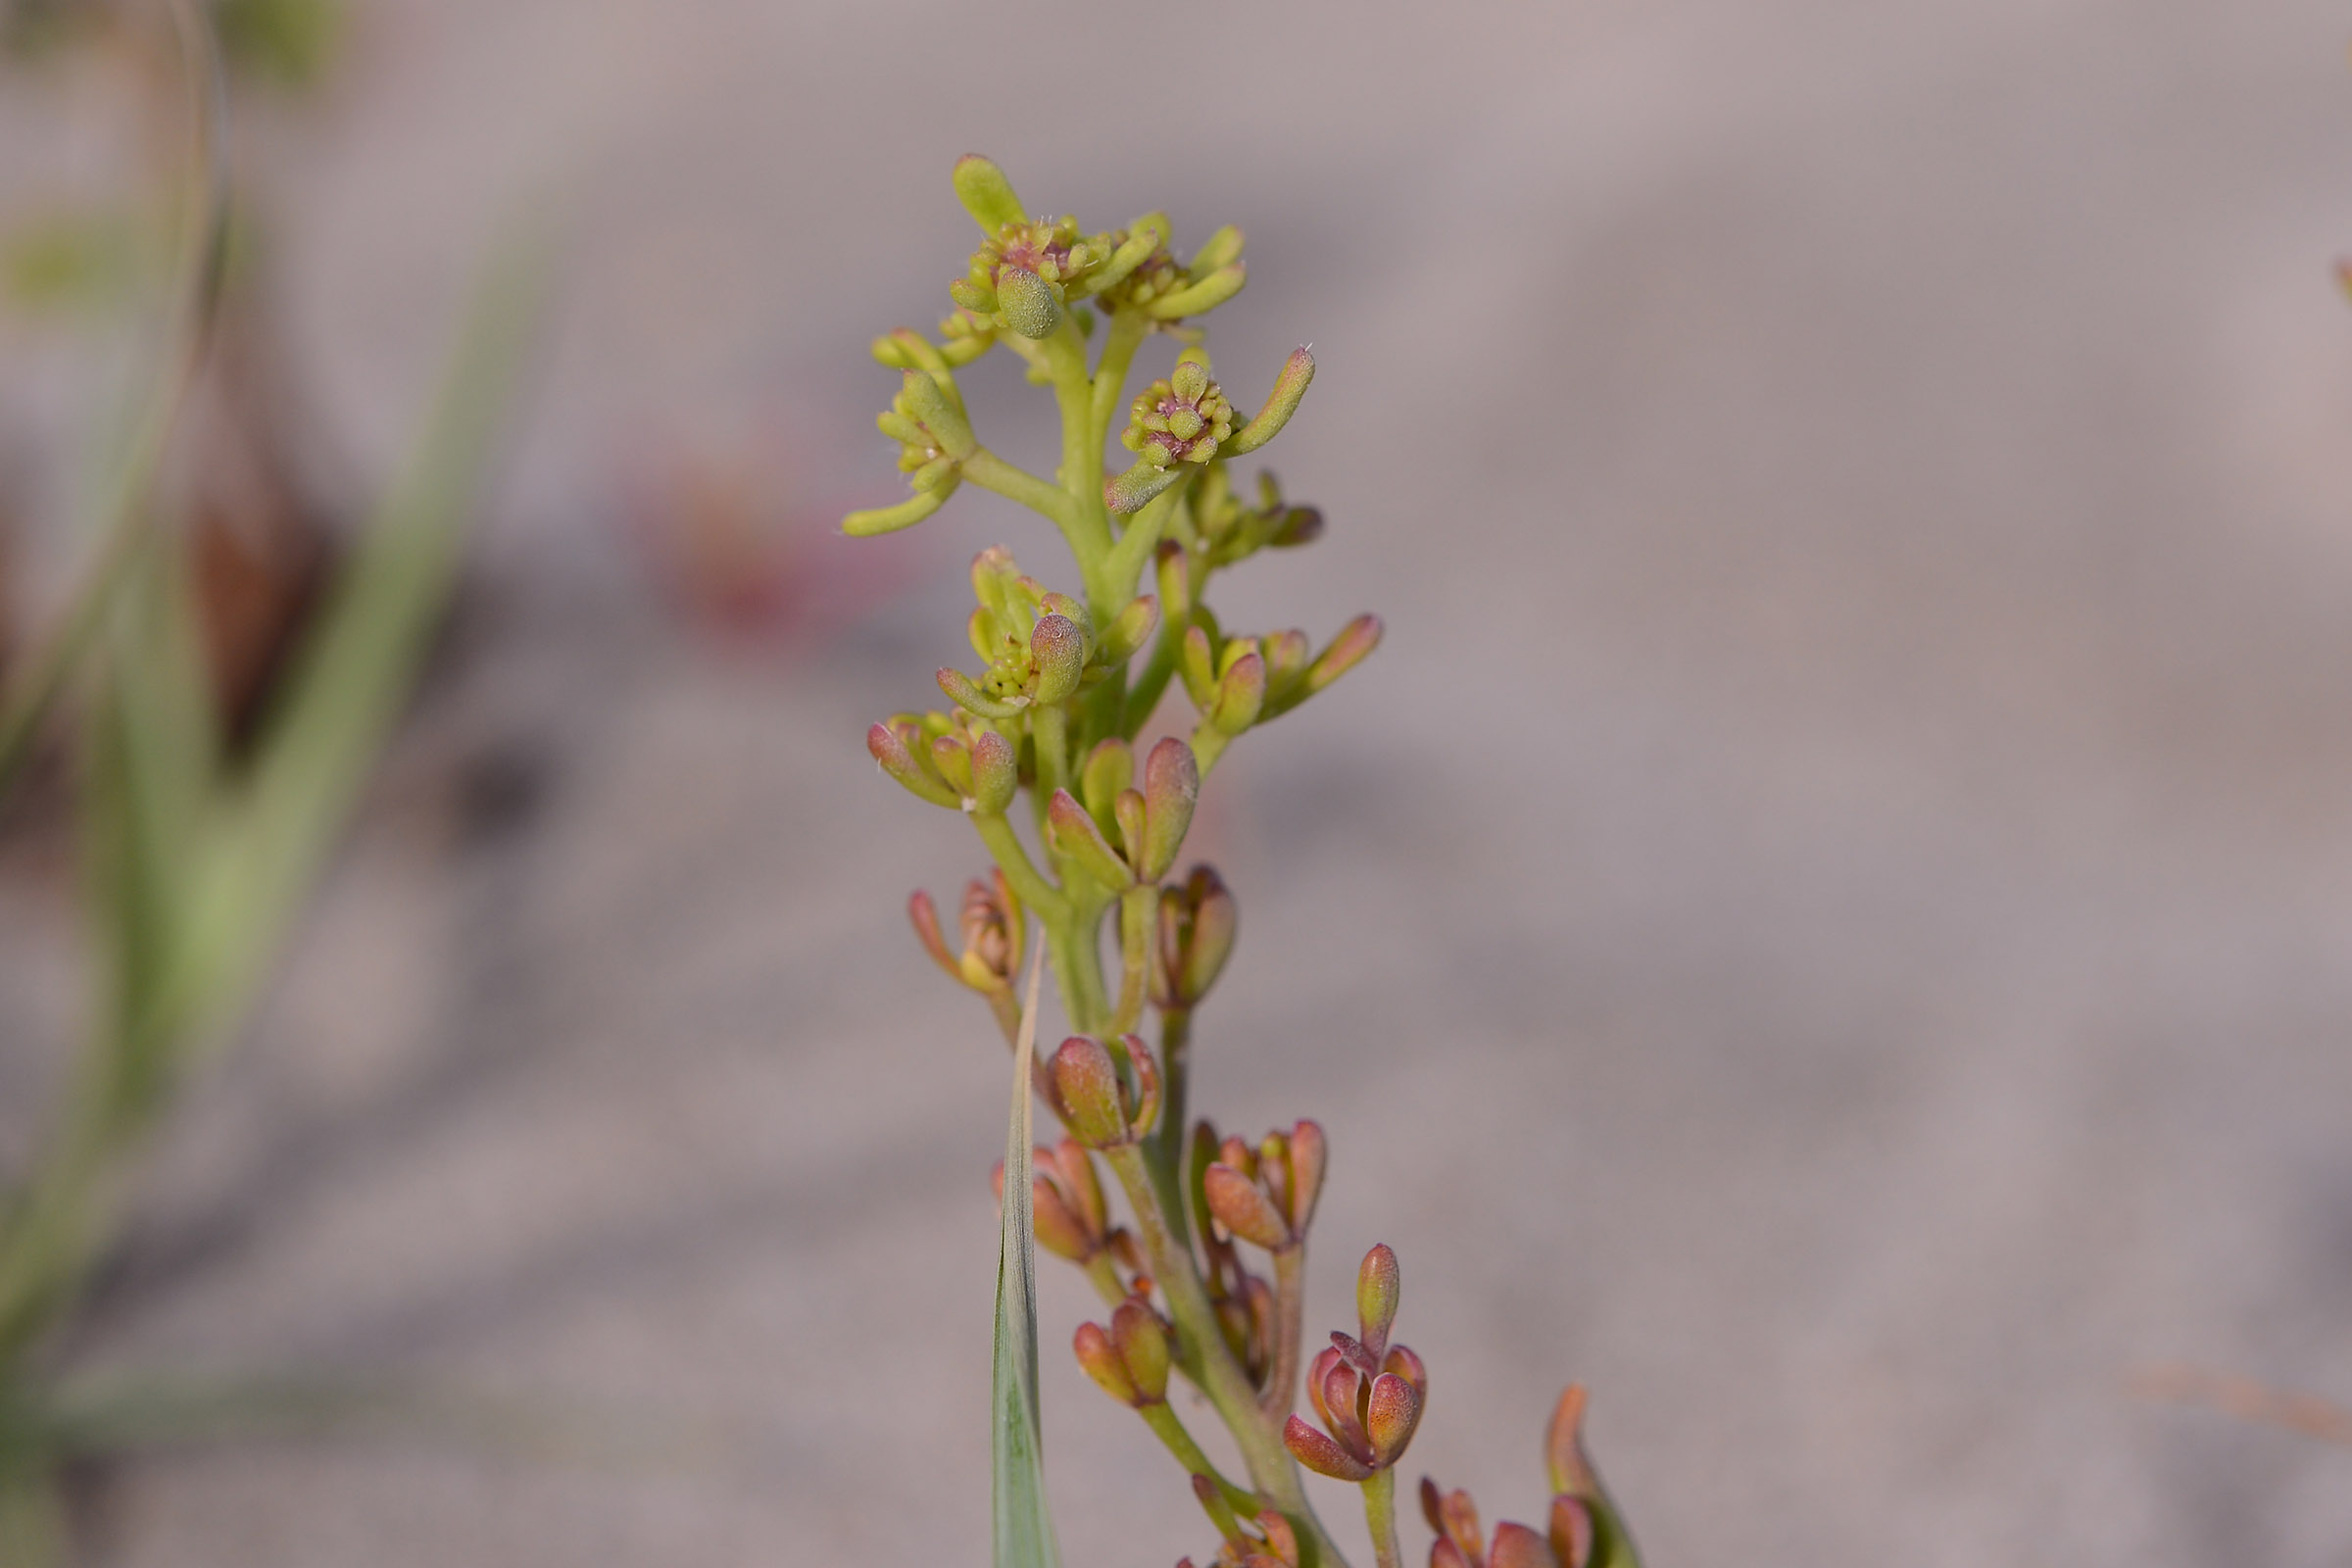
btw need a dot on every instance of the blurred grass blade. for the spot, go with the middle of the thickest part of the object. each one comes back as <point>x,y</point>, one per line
<point>1024,1531</point>
<point>356,675</point>
<point>124,521</point>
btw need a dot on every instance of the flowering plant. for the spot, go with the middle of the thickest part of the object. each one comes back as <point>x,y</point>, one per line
<point>1046,734</point>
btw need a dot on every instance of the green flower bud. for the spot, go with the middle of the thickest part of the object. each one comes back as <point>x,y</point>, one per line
<point>1025,304</point>
<point>1174,574</point>
<point>1058,650</point>
<point>996,773</point>
<point>1171,787</point>
<point>890,520</point>
<point>1131,815</point>
<point>986,194</point>
<point>951,760</point>
<point>1379,1286</point>
<point>1179,419</point>
<point>922,396</point>
<point>1110,768</point>
<point>1223,249</point>
<point>1129,630</point>
<point>965,694</point>
<point>1241,692</point>
<point>1283,402</point>
<point>1351,647</point>
<point>1075,837</point>
<point>1196,299</point>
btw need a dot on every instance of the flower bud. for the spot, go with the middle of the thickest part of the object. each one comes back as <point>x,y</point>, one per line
<point>1195,299</point>
<point>1086,1086</point>
<point>1142,1341</point>
<point>1283,402</point>
<point>1517,1547</point>
<point>952,761</point>
<point>1377,1289</point>
<point>1573,1533</point>
<point>967,695</point>
<point>1351,647</point>
<point>1321,1454</point>
<point>1130,813</point>
<point>986,193</point>
<point>996,773</point>
<point>1102,1363</point>
<point>1171,787</point>
<point>1221,250</point>
<point>1391,1411</point>
<point>1108,769</point>
<point>924,916</point>
<point>1074,836</point>
<point>1243,1209</point>
<point>892,746</point>
<point>1058,647</point>
<point>1129,630</point>
<point>1197,663</point>
<point>1197,926</point>
<point>928,401</point>
<point>1308,1156</point>
<point>994,934</point>
<point>1240,693</point>
<point>1134,489</point>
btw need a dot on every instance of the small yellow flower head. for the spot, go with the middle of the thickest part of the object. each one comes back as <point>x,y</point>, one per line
<point>1179,419</point>
<point>1021,275</point>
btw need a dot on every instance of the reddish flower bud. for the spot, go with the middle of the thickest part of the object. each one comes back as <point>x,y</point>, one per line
<point>1142,1341</point>
<point>1517,1547</point>
<point>996,773</point>
<point>1320,1455</point>
<point>1407,1365</point>
<point>1572,1532</point>
<point>1103,1364</point>
<point>1085,1084</point>
<point>1351,647</point>
<point>1392,1410</point>
<point>892,746</point>
<point>1308,1156</point>
<point>924,916</point>
<point>1197,925</point>
<point>1058,648</point>
<point>1572,1472</point>
<point>1378,1287</point>
<point>1242,1208</point>
<point>1171,787</point>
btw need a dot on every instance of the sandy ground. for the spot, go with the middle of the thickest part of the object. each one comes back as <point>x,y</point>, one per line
<point>1829,918</point>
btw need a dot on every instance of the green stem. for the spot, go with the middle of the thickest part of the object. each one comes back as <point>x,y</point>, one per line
<point>1137,905</point>
<point>1127,331</point>
<point>1380,1515</point>
<point>1170,1431</point>
<point>1164,1150</point>
<point>1289,1327</point>
<point>992,472</point>
<point>1078,966</point>
<point>1043,899</point>
<point>1126,561</point>
<point>1104,1275</point>
<point>1202,1352</point>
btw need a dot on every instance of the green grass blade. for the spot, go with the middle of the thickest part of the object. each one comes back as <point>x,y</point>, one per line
<point>1024,1530</point>
<point>356,675</point>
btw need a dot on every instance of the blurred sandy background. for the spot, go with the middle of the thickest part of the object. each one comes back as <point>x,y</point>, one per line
<point>1830,917</point>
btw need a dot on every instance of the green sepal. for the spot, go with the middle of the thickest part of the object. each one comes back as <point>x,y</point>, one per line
<point>1222,249</point>
<point>930,403</point>
<point>996,773</point>
<point>1081,843</point>
<point>970,696</point>
<point>1110,768</point>
<point>1133,490</point>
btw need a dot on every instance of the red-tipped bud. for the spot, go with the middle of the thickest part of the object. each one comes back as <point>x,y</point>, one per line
<point>1103,1364</point>
<point>1308,1156</point>
<point>1572,1532</point>
<point>892,746</point>
<point>1077,838</point>
<point>996,773</point>
<point>1289,387</point>
<point>1085,1084</point>
<point>1379,1286</point>
<point>1351,647</point>
<point>924,916</point>
<point>1058,648</point>
<point>1320,1455</point>
<point>1572,1472</point>
<point>1318,1374</point>
<point>1197,926</point>
<point>1129,630</point>
<point>1171,787</point>
<point>1058,1230</point>
<point>1240,693</point>
<point>1517,1547</point>
<point>1402,1362</point>
<point>1142,1343</point>
<point>1073,1168</point>
<point>1390,1413</point>
<point>1132,815</point>
<point>1242,1208</point>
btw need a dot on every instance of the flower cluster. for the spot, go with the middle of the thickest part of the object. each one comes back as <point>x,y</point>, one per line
<point>1084,790</point>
